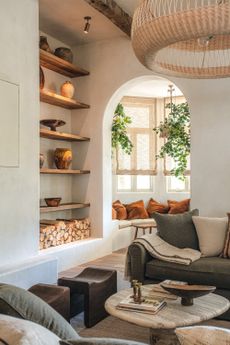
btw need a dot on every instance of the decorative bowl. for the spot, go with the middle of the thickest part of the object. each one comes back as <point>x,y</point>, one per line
<point>64,53</point>
<point>52,202</point>
<point>188,292</point>
<point>52,123</point>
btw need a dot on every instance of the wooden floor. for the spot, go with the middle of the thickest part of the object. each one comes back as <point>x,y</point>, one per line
<point>116,261</point>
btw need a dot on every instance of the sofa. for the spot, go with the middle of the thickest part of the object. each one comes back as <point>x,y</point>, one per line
<point>207,270</point>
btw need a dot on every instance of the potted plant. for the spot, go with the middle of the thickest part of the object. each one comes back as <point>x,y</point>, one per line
<point>176,131</point>
<point>119,130</point>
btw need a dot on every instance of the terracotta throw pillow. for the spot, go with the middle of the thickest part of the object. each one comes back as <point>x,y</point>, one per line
<point>136,210</point>
<point>114,213</point>
<point>120,209</point>
<point>176,207</point>
<point>226,251</point>
<point>154,206</point>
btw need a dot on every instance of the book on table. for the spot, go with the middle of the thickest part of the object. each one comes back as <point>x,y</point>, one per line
<point>149,305</point>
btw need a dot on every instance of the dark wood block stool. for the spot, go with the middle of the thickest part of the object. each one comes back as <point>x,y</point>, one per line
<point>96,285</point>
<point>58,297</point>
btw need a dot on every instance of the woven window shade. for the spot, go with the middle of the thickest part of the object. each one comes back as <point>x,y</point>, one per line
<point>186,38</point>
<point>142,159</point>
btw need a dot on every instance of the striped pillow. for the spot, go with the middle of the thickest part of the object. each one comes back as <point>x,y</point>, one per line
<point>226,251</point>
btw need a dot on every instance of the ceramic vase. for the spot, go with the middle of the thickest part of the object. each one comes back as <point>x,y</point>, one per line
<point>42,159</point>
<point>64,53</point>
<point>62,158</point>
<point>67,89</point>
<point>44,45</point>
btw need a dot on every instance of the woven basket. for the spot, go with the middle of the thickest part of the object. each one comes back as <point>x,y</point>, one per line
<point>187,38</point>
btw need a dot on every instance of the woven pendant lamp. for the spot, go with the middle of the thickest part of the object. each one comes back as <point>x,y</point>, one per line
<point>183,38</point>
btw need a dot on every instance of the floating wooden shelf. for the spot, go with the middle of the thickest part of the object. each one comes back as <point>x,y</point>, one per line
<point>46,133</point>
<point>60,101</point>
<point>61,66</point>
<point>63,171</point>
<point>63,207</point>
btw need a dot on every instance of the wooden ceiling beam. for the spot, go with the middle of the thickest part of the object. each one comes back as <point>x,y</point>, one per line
<point>111,10</point>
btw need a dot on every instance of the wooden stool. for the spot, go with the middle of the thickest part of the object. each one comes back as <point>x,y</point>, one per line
<point>96,285</point>
<point>143,227</point>
<point>58,297</point>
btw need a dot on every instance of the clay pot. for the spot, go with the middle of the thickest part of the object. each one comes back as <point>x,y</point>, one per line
<point>62,158</point>
<point>67,89</point>
<point>42,160</point>
<point>52,202</point>
<point>64,53</point>
<point>44,45</point>
<point>42,79</point>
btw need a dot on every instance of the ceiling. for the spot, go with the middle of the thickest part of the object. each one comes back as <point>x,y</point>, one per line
<point>64,20</point>
<point>156,88</point>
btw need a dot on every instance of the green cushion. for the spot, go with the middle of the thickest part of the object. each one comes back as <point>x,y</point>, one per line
<point>177,229</point>
<point>21,303</point>
<point>208,271</point>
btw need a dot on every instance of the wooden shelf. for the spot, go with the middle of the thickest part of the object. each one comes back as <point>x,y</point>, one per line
<point>61,66</point>
<point>60,101</point>
<point>63,207</point>
<point>48,134</point>
<point>64,171</point>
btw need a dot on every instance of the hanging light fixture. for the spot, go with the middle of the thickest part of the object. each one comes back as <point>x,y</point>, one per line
<point>184,38</point>
<point>87,24</point>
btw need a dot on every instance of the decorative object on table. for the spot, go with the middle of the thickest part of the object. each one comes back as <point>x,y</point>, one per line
<point>176,129</point>
<point>42,159</point>
<point>137,295</point>
<point>203,335</point>
<point>44,45</point>
<point>52,123</point>
<point>63,158</point>
<point>164,42</point>
<point>64,53</point>
<point>42,78</point>
<point>67,89</point>
<point>96,285</point>
<point>52,202</point>
<point>188,292</point>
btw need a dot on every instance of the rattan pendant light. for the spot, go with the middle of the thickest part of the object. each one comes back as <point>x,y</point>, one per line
<point>184,38</point>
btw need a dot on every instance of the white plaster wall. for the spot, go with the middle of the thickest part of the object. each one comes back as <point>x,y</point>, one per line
<point>19,206</point>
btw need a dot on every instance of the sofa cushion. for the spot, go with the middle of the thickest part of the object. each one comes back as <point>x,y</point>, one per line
<point>208,271</point>
<point>124,224</point>
<point>136,210</point>
<point>176,207</point>
<point>114,213</point>
<point>211,234</point>
<point>155,206</point>
<point>120,209</point>
<point>177,229</point>
<point>21,303</point>
<point>14,331</point>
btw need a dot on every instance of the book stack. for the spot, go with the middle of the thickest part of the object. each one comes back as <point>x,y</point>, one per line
<point>149,305</point>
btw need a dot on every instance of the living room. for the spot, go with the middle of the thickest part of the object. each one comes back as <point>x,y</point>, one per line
<point>107,53</point>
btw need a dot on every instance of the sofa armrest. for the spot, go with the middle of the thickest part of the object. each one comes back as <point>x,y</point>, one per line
<point>139,257</point>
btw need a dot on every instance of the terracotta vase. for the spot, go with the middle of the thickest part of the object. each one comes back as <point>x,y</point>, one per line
<point>42,79</point>
<point>44,45</point>
<point>67,89</point>
<point>62,158</point>
<point>42,159</point>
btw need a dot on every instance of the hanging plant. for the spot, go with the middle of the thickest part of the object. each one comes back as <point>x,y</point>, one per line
<point>119,130</point>
<point>176,130</point>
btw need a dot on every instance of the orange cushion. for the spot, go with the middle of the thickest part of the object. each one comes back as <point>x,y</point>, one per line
<point>114,213</point>
<point>120,209</point>
<point>178,206</point>
<point>136,210</point>
<point>154,206</point>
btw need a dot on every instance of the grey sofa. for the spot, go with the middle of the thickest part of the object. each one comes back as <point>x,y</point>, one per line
<point>208,271</point>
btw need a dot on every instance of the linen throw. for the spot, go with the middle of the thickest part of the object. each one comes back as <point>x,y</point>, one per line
<point>226,251</point>
<point>162,250</point>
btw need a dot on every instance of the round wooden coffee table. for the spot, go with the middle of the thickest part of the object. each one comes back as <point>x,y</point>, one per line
<point>162,325</point>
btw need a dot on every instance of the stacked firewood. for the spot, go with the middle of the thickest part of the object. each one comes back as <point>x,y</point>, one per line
<point>56,232</point>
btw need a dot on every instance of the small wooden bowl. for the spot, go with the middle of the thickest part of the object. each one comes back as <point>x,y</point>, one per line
<point>52,202</point>
<point>52,123</point>
<point>188,292</point>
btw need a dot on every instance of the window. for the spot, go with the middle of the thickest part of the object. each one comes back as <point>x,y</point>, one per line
<point>134,172</point>
<point>176,185</point>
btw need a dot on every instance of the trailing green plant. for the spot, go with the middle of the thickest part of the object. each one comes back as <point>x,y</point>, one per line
<point>119,130</point>
<point>176,129</point>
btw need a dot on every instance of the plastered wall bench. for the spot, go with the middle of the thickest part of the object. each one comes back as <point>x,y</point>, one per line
<point>123,231</point>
